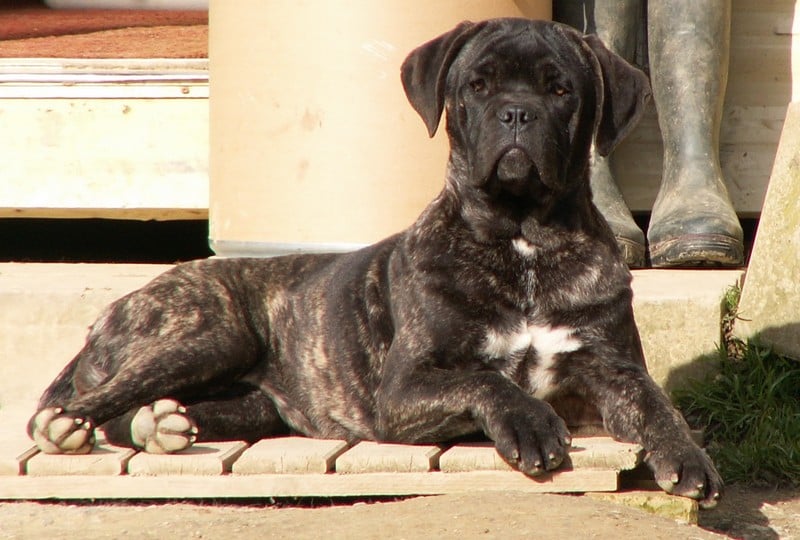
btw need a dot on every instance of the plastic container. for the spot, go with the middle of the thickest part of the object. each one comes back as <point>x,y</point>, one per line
<point>314,146</point>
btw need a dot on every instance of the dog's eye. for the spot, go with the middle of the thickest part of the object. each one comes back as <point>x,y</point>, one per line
<point>478,85</point>
<point>559,90</point>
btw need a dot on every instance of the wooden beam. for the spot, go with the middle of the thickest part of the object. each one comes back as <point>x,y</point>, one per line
<point>301,467</point>
<point>300,485</point>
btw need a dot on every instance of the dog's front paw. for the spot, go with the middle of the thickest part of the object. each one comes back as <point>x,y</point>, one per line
<point>533,441</point>
<point>163,428</point>
<point>57,432</point>
<point>688,473</point>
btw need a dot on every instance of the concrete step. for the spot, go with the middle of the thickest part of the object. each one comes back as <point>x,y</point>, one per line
<point>679,313</point>
<point>45,310</point>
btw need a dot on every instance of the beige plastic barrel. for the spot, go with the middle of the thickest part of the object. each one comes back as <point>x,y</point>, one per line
<point>314,146</point>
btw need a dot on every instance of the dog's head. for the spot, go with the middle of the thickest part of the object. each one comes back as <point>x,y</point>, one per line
<point>525,100</point>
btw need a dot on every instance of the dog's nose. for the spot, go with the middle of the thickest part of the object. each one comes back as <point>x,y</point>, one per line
<point>514,116</point>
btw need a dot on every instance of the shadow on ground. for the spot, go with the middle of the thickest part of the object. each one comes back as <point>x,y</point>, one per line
<point>747,512</point>
<point>755,514</point>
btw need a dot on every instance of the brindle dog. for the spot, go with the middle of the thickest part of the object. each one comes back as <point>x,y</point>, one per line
<point>505,308</point>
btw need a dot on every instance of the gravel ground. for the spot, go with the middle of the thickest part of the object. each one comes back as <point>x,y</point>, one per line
<point>750,514</point>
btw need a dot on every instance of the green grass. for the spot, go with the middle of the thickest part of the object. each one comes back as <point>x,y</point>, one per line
<point>750,410</point>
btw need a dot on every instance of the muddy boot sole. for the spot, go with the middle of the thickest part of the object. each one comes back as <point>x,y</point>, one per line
<point>712,250</point>
<point>632,251</point>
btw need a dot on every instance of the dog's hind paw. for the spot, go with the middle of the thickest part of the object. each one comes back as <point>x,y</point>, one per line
<point>163,428</point>
<point>57,432</point>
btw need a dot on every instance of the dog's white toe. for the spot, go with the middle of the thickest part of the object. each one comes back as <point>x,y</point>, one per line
<point>57,432</point>
<point>163,428</point>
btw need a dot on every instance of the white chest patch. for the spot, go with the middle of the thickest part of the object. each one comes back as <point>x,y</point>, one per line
<point>546,341</point>
<point>523,247</point>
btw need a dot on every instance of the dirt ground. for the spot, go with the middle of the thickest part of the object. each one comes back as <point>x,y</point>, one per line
<point>750,514</point>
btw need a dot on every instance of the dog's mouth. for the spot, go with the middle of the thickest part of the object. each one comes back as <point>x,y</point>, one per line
<point>513,166</point>
<point>516,173</point>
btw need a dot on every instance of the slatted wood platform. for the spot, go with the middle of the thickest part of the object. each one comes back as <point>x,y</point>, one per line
<point>300,467</point>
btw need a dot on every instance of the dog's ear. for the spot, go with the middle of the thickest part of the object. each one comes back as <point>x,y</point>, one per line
<point>424,72</point>
<point>626,90</point>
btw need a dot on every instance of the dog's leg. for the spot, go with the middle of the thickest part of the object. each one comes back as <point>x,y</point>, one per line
<point>148,371</point>
<point>55,432</point>
<point>162,427</point>
<point>242,413</point>
<point>185,333</point>
<point>432,405</point>
<point>635,409</point>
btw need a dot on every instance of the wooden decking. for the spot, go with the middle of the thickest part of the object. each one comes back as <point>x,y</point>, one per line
<point>299,467</point>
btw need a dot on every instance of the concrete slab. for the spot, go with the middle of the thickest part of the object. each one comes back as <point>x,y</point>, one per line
<point>654,502</point>
<point>770,303</point>
<point>678,313</point>
<point>45,310</point>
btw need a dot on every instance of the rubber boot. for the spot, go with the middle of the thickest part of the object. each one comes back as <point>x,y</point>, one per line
<point>608,199</point>
<point>615,22</point>
<point>693,221</point>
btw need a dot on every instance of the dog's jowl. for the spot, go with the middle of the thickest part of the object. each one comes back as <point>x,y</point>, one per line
<point>504,309</point>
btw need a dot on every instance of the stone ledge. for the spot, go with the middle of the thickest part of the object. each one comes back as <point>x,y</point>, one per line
<point>45,310</point>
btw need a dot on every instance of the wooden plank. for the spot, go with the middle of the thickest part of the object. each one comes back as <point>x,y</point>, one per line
<point>745,168</point>
<point>586,452</point>
<point>195,68</point>
<point>105,155</point>
<point>605,452</point>
<point>290,455</point>
<point>741,124</point>
<point>762,49</point>
<point>62,78</point>
<point>368,457</point>
<point>200,459</point>
<point>141,214</point>
<point>301,485</point>
<point>14,455</point>
<point>16,448</point>
<point>472,457</point>
<point>105,459</point>
<point>119,89</point>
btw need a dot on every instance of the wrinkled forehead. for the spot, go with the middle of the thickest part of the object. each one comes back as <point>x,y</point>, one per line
<point>523,44</point>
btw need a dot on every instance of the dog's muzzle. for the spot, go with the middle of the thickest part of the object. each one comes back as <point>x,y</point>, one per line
<point>514,166</point>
